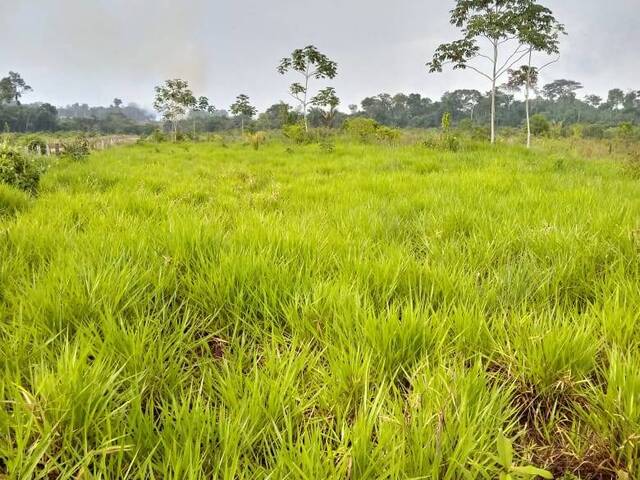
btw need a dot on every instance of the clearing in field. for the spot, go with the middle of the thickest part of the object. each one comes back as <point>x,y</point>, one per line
<point>206,311</point>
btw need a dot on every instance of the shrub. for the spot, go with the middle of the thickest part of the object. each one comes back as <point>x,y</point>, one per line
<point>19,170</point>
<point>296,133</point>
<point>364,129</point>
<point>157,136</point>
<point>625,130</point>
<point>367,130</point>
<point>540,125</point>
<point>445,140</point>
<point>77,149</point>
<point>34,144</point>
<point>593,131</point>
<point>387,134</point>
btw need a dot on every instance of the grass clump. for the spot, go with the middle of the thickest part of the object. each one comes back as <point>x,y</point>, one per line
<point>12,201</point>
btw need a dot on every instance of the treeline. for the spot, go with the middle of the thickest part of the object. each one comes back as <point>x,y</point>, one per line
<point>44,117</point>
<point>557,102</point>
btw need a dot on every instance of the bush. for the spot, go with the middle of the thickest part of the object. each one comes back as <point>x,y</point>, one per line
<point>297,134</point>
<point>625,131</point>
<point>593,131</point>
<point>19,170</point>
<point>77,149</point>
<point>540,126</point>
<point>367,130</point>
<point>387,134</point>
<point>157,136</point>
<point>35,144</point>
<point>364,129</point>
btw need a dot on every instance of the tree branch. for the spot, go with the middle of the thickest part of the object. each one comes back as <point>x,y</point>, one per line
<point>515,52</point>
<point>480,72</point>
<point>505,67</point>
<point>547,64</point>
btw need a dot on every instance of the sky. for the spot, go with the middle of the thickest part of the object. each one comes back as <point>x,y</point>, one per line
<point>90,51</point>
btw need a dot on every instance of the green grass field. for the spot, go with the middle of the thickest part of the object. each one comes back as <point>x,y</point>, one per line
<point>193,311</point>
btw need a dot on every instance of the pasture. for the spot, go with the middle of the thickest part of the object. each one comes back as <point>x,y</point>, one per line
<point>199,310</point>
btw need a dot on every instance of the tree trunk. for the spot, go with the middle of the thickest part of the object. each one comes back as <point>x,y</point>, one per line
<point>242,126</point>
<point>493,92</point>
<point>306,96</point>
<point>526,94</point>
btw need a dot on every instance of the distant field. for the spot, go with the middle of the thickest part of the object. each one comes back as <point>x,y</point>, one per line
<point>198,311</point>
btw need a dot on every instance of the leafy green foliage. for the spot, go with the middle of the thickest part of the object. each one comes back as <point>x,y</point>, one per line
<point>367,130</point>
<point>328,101</point>
<point>297,134</point>
<point>540,125</point>
<point>173,100</point>
<point>243,109</point>
<point>77,148</point>
<point>310,63</point>
<point>12,88</point>
<point>512,472</point>
<point>501,22</point>
<point>19,170</point>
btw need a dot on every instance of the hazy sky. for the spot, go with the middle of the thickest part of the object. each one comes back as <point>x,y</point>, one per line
<point>93,50</point>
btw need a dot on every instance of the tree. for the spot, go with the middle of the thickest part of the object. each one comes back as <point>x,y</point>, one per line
<point>201,105</point>
<point>328,102</point>
<point>12,87</point>
<point>564,90</point>
<point>117,103</point>
<point>502,23</point>
<point>593,101</point>
<point>277,116</point>
<point>615,99</point>
<point>310,64</point>
<point>173,100</point>
<point>540,32</point>
<point>242,108</point>
<point>464,101</point>
<point>632,100</point>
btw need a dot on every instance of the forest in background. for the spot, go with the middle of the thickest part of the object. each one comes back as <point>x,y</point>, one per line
<point>557,106</point>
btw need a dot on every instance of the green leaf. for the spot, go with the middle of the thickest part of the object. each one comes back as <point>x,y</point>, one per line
<point>505,451</point>
<point>533,471</point>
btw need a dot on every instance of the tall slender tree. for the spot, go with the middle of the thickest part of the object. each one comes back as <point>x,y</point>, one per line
<point>489,28</point>
<point>310,64</point>
<point>540,32</point>
<point>201,105</point>
<point>243,109</point>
